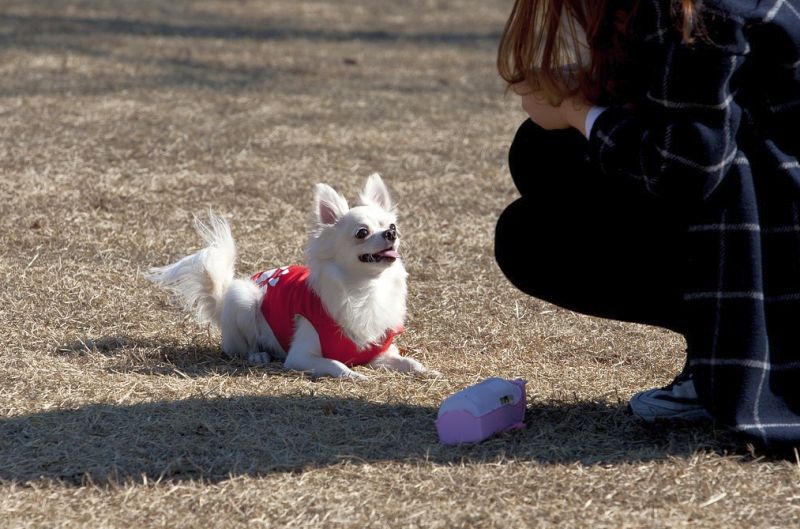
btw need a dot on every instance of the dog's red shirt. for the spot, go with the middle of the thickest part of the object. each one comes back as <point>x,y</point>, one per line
<point>288,294</point>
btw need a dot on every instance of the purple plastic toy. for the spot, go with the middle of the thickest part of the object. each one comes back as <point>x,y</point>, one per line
<point>482,410</point>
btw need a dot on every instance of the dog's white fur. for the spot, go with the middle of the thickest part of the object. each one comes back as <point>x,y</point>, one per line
<point>364,298</point>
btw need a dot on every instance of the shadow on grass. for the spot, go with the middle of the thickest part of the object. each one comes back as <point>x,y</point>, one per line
<point>175,65</point>
<point>264,30</point>
<point>179,71</point>
<point>150,357</point>
<point>212,439</point>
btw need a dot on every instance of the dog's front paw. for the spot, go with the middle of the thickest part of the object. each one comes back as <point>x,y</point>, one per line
<point>260,358</point>
<point>394,361</point>
<point>408,365</point>
<point>417,369</point>
<point>354,376</point>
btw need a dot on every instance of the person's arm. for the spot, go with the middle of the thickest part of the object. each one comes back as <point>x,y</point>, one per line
<point>536,103</point>
<point>591,116</point>
<point>681,141</point>
<point>572,112</point>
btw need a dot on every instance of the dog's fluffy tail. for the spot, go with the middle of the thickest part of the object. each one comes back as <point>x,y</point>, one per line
<point>200,280</point>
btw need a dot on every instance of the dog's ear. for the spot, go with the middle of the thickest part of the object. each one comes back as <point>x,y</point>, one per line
<point>329,206</point>
<point>375,193</point>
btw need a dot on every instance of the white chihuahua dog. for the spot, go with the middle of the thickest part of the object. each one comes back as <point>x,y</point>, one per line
<point>341,310</point>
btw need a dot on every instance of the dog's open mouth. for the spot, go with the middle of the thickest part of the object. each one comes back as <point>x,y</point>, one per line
<point>387,255</point>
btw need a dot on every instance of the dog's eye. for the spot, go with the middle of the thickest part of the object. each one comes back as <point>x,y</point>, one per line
<point>392,227</point>
<point>362,233</point>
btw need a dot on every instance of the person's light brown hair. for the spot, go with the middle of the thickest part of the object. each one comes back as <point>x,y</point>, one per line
<point>570,47</point>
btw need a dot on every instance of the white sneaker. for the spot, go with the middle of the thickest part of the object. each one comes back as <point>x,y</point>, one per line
<point>675,402</point>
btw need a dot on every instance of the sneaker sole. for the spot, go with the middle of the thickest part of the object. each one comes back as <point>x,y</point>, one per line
<point>693,416</point>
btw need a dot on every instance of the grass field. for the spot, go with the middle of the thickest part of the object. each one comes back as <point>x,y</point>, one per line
<point>120,119</point>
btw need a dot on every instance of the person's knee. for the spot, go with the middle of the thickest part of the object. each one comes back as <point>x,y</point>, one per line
<point>537,155</point>
<point>521,152</point>
<point>512,246</point>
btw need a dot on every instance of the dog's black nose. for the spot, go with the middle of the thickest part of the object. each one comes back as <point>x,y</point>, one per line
<point>390,234</point>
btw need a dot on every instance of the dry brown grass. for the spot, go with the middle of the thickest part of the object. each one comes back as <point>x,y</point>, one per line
<point>119,119</point>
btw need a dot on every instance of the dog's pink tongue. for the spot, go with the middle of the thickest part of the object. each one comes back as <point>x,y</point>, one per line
<point>390,253</point>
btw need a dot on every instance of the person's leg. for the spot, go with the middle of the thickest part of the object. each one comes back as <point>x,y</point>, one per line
<point>596,245</point>
<point>587,242</point>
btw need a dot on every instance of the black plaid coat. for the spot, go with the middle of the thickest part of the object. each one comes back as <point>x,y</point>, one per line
<point>716,131</point>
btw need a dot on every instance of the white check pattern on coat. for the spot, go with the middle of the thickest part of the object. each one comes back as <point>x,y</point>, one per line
<point>695,138</point>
